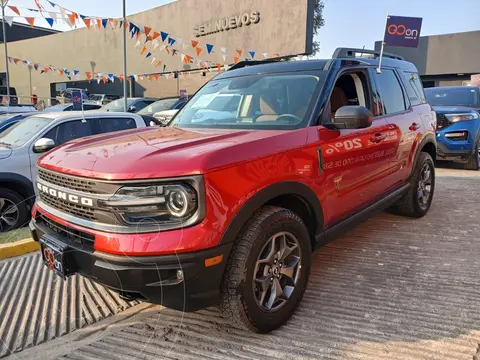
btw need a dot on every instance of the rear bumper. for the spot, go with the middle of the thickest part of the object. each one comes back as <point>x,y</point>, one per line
<point>153,278</point>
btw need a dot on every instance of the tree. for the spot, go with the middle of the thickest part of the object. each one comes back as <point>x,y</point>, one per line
<point>318,22</point>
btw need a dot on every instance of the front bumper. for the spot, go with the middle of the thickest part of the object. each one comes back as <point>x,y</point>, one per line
<point>457,149</point>
<point>153,278</point>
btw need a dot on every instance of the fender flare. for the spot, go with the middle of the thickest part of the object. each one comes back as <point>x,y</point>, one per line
<point>20,180</point>
<point>304,192</point>
<point>429,138</point>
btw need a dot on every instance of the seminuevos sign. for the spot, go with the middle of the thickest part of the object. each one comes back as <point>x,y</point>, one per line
<point>403,31</point>
<point>228,23</point>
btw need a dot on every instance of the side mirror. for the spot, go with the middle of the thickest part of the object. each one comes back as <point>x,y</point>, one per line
<point>43,145</point>
<point>353,117</point>
<point>132,109</point>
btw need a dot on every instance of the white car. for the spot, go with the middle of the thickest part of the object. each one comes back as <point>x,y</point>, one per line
<point>23,143</point>
<point>165,116</point>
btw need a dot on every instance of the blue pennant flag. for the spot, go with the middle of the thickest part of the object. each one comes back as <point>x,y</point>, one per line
<point>52,3</point>
<point>50,21</point>
<point>69,78</point>
<point>209,48</point>
<point>148,55</point>
<point>34,10</point>
<point>76,72</point>
<point>132,27</point>
<point>110,76</point>
<point>132,77</point>
<point>41,72</point>
<point>171,41</point>
<point>174,52</point>
<point>25,62</point>
<point>252,54</point>
<point>121,23</point>
<point>164,67</point>
<point>164,35</point>
<point>83,16</point>
<point>175,75</point>
<point>104,23</point>
<point>35,66</point>
<point>66,71</point>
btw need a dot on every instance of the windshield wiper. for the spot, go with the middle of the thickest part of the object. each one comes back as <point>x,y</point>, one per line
<point>7,145</point>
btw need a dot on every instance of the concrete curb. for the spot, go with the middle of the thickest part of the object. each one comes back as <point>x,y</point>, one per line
<point>18,248</point>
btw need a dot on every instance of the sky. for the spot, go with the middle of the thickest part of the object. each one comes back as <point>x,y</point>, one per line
<point>348,23</point>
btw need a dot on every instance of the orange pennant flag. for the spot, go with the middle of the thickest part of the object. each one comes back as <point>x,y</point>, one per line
<point>14,9</point>
<point>89,75</point>
<point>143,50</point>
<point>72,18</point>
<point>116,23</point>
<point>30,20</point>
<point>159,63</point>
<point>99,23</point>
<point>150,77</point>
<point>61,72</point>
<point>187,59</point>
<point>112,22</point>
<point>16,60</point>
<point>147,30</point>
<point>46,69</point>
<point>199,51</point>
<point>87,22</point>
<point>194,43</point>
<point>203,65</point>
<point>276,55</point>
<point>155,35</point>
<point>236,59</point>
<point>138,35</point>
<point>239,52</point>
<point>219,67</point>
<point>104,79</point>
<point>156,76</point>
<point>75,14</point>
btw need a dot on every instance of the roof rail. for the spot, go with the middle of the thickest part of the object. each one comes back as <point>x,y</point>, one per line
<point>246,63</point>
<point>351,52</point>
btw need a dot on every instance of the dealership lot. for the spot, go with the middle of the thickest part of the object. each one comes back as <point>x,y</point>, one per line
<point>392,288</point>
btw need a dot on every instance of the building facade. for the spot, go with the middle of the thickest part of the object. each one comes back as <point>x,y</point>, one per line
<point>444,60</point>
<point>237,29</point>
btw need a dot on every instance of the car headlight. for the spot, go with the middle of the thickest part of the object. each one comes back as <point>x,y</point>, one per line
<point>168,205</point>
<point>462,117</point>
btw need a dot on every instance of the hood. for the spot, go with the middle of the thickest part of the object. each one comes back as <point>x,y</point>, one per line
<point>166,152</point>
<point>453,109</point>
<point>5,152</point>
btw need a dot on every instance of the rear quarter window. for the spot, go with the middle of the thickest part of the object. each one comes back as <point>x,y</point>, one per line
<point>414,88</point>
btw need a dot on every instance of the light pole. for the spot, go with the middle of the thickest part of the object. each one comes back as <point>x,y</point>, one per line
<point>125,56</point>
<point>4,3</point>
<point>30,77</point>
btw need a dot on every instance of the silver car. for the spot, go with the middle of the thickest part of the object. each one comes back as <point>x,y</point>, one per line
<point>23,143</point>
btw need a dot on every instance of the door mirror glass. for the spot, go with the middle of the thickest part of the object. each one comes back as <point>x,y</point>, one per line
<point>352,117</point>
<point>43,145</point>
<point>132,109</point>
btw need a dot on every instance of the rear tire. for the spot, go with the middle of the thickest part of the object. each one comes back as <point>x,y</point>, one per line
<point>13,210</point>
<point>262,287</point>
<point>417,201</point>
<point>474,162</point>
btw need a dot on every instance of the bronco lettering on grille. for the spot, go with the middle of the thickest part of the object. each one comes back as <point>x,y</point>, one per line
<point>65,196</point>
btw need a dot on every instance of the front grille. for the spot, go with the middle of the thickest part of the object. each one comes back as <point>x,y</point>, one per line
<point>68,207</point>
<point>69,182</point>
<point>71,236</point>
<point>442,121</point>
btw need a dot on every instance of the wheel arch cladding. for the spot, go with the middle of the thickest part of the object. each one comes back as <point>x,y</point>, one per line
<point>19,184</point>
<point>291,195</point>
<point>428,145</point>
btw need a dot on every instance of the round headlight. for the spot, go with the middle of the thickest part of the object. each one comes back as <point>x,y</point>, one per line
<point>179,201</point>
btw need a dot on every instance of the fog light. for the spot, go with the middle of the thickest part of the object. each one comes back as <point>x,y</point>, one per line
<point>180,275</point>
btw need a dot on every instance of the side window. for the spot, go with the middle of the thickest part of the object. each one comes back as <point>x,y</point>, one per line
<point>107,125</point>
<point>90,107</point>
<point>69,131</point>
<point>142,104</point>
<point>68,108</point>
<point>350,89</point>
<point>414,88</point>
<point>390,91</point>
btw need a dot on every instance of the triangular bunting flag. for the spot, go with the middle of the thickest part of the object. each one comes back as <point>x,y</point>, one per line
<point>9,20</point>
<point>199,51</point>
<point>182,56</point>
<point>31,21</point>
<point>184,46</point>
<point>171,41</point>
<point>175,75</point>
<point>121,24</point>
<point>156,76</point>
<point>219,67</point>
<point>224,57</point>
<point>87,22</point>
<point>41,72</point>
<point>209,48</point>
<point>16,60</point>
<point>188,58</point>
<point>14,9</point>
<point>35,66</point>
<point>53,15</point>
<point>104,23</point>
<point>112,22</point>
<point>223,50</point>
<point>147,30</point>
<point>164,35</point>
<point>76,72</point>
<point>179,41</point>
<point>194,43</point>
<point>143,50</point>
<point>235,59</point>
<point>88,75</point>
<point>62,12</point>
<point>153,59</point>
<point>155,35</point>
<point>167,76</point>
<point>159,63</point>
<point>50,21</point>
<point>137,35</point>
<point>52,3</point>
<point>148,55</point>
<point>99,23</point>
<point>239,52</point>
<point>138,43</point>
<point>72,18</point>
<point>155,43</point>
<point>252,54</point>
<point>265,55</point>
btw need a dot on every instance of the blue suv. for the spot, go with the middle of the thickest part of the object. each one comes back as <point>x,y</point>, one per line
<point>458,123</point>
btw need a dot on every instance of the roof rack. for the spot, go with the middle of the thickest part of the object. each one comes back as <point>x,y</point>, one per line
<point>351,53</point>
<point>246,63</point>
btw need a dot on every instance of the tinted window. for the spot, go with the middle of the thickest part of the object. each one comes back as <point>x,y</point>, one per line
<point>391,92</point>
<point>20,133</point>
<point>111,124</point>
<point>90,107</point>
<point>118,105</point>
<point>139,105</point>
<point>70,130</point>
<point>414,88</point>
<point>454,96</point>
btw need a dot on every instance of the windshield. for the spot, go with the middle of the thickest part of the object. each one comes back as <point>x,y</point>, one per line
<point>4,119</point>
<point>20,133</point>
<point>269,101</point>
<point>157,106</point>
<point>56,108</point>
<point>96,97</point>
<point>117,105</point>
<point>453,97</point>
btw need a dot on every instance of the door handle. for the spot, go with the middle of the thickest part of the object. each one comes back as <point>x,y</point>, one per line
<point>378,137</point>
<point>414,127</point>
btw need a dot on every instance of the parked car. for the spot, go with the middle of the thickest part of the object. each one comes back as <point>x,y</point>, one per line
<point>24,142</point>
<point>164,117</point>
<point>228,209</point>
<point>4,110</point>
<point>103,99</point>
<point>134,105</point>
<point>174,103</point>
<point>10,119</point>
<point>458,123</point>
<point>69,107</point>
<point>66,96</point>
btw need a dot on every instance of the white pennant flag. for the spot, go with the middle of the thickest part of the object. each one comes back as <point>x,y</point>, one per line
<point>135,77</point>
<point>265,55</point>
<point>224,57</point>
<point>62,12</point>
<point>138,43</point>
<point>163,47</point>
<point>68,22</point>
<point>223,50</point>
<point>182,56</point>
<point>153,59</point>
<point>9,20</point>
<point>167,76</point>
<point>155,43</point>
<point>99,81</point>
<point>184,46</point>
<point>53,15</point>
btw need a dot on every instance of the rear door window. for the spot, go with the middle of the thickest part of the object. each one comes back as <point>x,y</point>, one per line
<point>391,92</point>
<point>70,130</point>
<point>106,125</point>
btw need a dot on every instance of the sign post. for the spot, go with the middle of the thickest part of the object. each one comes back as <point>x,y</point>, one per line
<point>7,75</point>
<point>400,31</point>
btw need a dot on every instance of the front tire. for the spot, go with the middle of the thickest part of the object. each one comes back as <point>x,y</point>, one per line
<point>13,210</point>
<point>417,201</point>
<point>268,270</point>
<point>474,162</point>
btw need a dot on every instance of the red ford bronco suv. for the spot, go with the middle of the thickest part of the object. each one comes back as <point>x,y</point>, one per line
<point>225,205</point>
